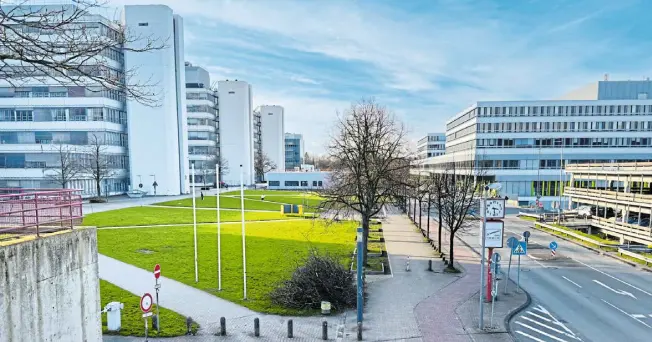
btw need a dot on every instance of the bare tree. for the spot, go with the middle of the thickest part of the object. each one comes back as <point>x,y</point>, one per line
<point>456,204</point>
<point>224,167</point>
<point>436,193</point>
<point>67,167</point>
<point>98,164</point>
<point>73,47</point>
<point>263,164</point>
<point>307,159</point>
<point>370,157</point>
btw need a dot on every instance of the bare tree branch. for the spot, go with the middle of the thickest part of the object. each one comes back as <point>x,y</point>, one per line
<point>263,164</point>
<point>67,168</point>
<point>98,164</point>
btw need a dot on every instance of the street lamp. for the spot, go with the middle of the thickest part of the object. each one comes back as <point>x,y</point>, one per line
<point>491,186</point>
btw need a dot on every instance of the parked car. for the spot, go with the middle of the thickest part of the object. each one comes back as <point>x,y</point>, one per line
<point>645,222</point>
<point>584,211</point>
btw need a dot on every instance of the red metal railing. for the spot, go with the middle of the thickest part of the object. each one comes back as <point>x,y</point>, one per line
<point>29,211</point>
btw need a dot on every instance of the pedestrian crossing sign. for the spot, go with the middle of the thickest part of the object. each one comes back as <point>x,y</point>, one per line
<point>520,249</point>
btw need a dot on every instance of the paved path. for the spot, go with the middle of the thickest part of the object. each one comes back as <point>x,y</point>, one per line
<point>190,224</point>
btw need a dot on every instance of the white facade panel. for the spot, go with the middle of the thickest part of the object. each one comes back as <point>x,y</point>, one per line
<point>154,132</point>
<point>236,131</point>
<point>273,134</point>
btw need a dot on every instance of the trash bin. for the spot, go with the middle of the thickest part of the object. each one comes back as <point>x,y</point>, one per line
<point>113,315</point>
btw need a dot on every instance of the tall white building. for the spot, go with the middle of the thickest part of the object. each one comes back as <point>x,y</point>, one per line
<point>39,115</point>
<point>432,145</point>
<point>273,134</point>
<point>237,130</point>
<point>158,140</point>
<point>203,138</point>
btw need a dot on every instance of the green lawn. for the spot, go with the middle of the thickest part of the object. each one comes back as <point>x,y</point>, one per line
<point>144,216</point>
<point>273,251</point>
<point>172,323</point>
<point>266,192</point>
<point>225,202</point>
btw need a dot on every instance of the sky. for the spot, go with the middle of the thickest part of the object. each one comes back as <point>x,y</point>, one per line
<point>426,60</point>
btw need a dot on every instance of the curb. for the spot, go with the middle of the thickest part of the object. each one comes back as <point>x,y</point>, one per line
<point>514,312</point>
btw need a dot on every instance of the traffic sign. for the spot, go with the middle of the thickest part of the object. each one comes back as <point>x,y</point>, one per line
<point>553,245</point>
<point>495,258</point>
<point>526,234</point>
<point>520,249</point>
<point>512,242</point>
<point>157,271</point>
<point>146,302</point>
<point>147,314</point>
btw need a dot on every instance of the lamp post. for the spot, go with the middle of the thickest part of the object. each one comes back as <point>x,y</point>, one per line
<point>359,266</point>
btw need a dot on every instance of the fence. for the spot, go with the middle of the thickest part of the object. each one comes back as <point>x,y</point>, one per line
<point>38,211</point>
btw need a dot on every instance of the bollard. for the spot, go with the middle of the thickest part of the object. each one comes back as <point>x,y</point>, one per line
<point>324,330</point>
<point>359,331</point>
<point>256,327</point>
<point>290,333</point>
<point>429,265</point>
<point>188,325</point>
<point>222,326</point>
<point>407,264</point>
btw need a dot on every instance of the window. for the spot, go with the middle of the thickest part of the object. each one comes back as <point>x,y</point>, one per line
<point>24,115</point>
<point>143,24</point>
<point>304,183</point>
<point>291,183</point>
<point>59,114</point>
<point>7,115</point>
<point>314,183</point>
<point>274,183</point>
<point>319,183</point>
<point>43,137</point>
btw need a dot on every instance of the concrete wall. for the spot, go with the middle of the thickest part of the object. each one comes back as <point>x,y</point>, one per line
<point>49,289</point>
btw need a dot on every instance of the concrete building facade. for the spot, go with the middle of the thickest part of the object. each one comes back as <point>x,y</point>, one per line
<point>294,150</point>
<point>273,134</point>
<point>432,145</point>
<point>158,136</point>
<point>236,129</point>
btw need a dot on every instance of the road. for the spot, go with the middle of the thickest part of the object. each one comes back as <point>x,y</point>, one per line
<point>577,295</point>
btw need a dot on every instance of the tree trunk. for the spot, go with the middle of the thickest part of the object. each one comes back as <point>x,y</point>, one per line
<point>450,252</point>
<point>420,206</point>
<point>98,187</point>
<point>414,212</point>
<point>440,224</point>
<point>428,222</point>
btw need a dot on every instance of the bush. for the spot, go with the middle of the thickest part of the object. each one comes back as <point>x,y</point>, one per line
<point>321,278</point>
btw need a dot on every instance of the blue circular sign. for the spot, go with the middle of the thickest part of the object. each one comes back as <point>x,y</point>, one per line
<point>526,234</point>
<point>512,242</point>
<point>495,257</point>
<point>553,245</point>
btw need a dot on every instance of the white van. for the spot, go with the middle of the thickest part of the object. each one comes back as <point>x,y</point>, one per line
<point>584,211</point>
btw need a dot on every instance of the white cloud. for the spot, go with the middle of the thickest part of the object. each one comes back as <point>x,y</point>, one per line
<point>303,79</point>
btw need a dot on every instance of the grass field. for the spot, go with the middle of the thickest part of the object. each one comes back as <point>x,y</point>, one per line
<point>225,202</point>
<point>172,323</point>
<point>144,216</point>
<point>273,252</point>
<point>265,192</point>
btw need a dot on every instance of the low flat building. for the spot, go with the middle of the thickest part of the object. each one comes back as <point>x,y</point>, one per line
<point>297,180</point>
<point>620,197</point>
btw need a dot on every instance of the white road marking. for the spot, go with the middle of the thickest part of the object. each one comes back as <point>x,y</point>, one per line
<point>572,282</point>
<point>557,322</point>
<point>612,277</point>
<point>621,292</point>
<point>638,316</point>
<point>551,328</point>
<point>541,332</point>
<point>529,336</point>
<point>625,313</point>
<point>539,317</point>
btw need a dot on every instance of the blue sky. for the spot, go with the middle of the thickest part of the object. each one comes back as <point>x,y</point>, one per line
<point>425,59</point>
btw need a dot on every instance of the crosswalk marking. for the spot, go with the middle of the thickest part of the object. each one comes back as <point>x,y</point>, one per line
<point>539,317</point>
<point>540,325</point>
<point>541,332</point>
<point>549,327</point>
<point>529,336</point>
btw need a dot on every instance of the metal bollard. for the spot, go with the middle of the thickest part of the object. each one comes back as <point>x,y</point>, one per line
<point>256,327</point>
<point>429,265</point>
<point>222,326</point>
<point>324,330</point>
<point>290,332</point>
<point>407,264</point>
<point>359,331</point>
<point>188,325</point>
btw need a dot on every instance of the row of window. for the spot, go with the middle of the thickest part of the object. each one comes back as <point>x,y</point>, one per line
<point>59,91</point>
<point>201,96</point>
<point>63,114</point>
<point>193,135</point>
<point>565,142</point>
<point>201,109</point>
<point>202,150</point>
<point>202,122</point>
<point>551,111</point>
<point>19,161</point>
<point>295,183</point>
<point>72,138</point>
<point>584,126</point>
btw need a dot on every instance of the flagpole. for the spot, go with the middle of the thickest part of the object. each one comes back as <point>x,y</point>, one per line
<point>219,230</point>
<point>242,214</point>
<point>194,219</point>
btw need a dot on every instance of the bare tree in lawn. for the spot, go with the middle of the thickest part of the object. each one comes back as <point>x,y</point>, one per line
<point>263,164</point>
<point>223,166</point>
<point>68,45</point>
<point>98,164</point>
<point>370,162</point>
<point>67,167</point>
<point>460,197</point>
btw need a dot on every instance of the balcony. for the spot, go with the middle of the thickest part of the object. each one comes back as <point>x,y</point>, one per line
<point>599,195</point>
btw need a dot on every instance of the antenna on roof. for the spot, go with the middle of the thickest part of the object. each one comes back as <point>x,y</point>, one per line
<point>606,77</point>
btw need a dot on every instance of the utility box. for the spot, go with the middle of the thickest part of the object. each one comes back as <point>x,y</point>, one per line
<point>113,313</point>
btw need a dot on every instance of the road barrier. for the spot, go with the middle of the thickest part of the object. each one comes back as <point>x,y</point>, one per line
<point>574,235</point>
<point>647,261</point>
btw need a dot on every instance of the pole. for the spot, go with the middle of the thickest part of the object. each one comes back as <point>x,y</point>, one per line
<point>360,261</point>
<point>244,249</point>
<point>561,170</point>
<point>158,313</point>
<point>482,236</point>
<point>219,230</point>
<point>509,266</point>
<point>194,220</point>
<point>518,275</point>
<point>489,274</point>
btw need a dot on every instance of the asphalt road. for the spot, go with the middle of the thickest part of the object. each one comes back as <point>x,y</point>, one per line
<point>577,295</point>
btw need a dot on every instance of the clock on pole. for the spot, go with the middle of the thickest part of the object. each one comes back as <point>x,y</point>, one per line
<point>494,209</point>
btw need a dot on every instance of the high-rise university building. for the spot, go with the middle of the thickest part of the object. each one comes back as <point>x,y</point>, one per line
<point>158,136</point>
<point>272,134</point>
<point>432,145</point>
<point>525,145</point>
<point>41,115</point>
<point>237,129</point>
<point>203,125</point>
<point>294,150</point>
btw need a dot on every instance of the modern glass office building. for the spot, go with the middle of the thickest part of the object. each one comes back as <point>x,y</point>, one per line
<point>525,144</point>
<point>294,150</point>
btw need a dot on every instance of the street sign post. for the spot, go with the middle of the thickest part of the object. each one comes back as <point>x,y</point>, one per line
<point>526,235</point>
<point>360,263</point>
<point>511,243</point>
<point>145,306</point>
<point>157,287</point>
<point>519,249</point>
<point>553,248</point>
